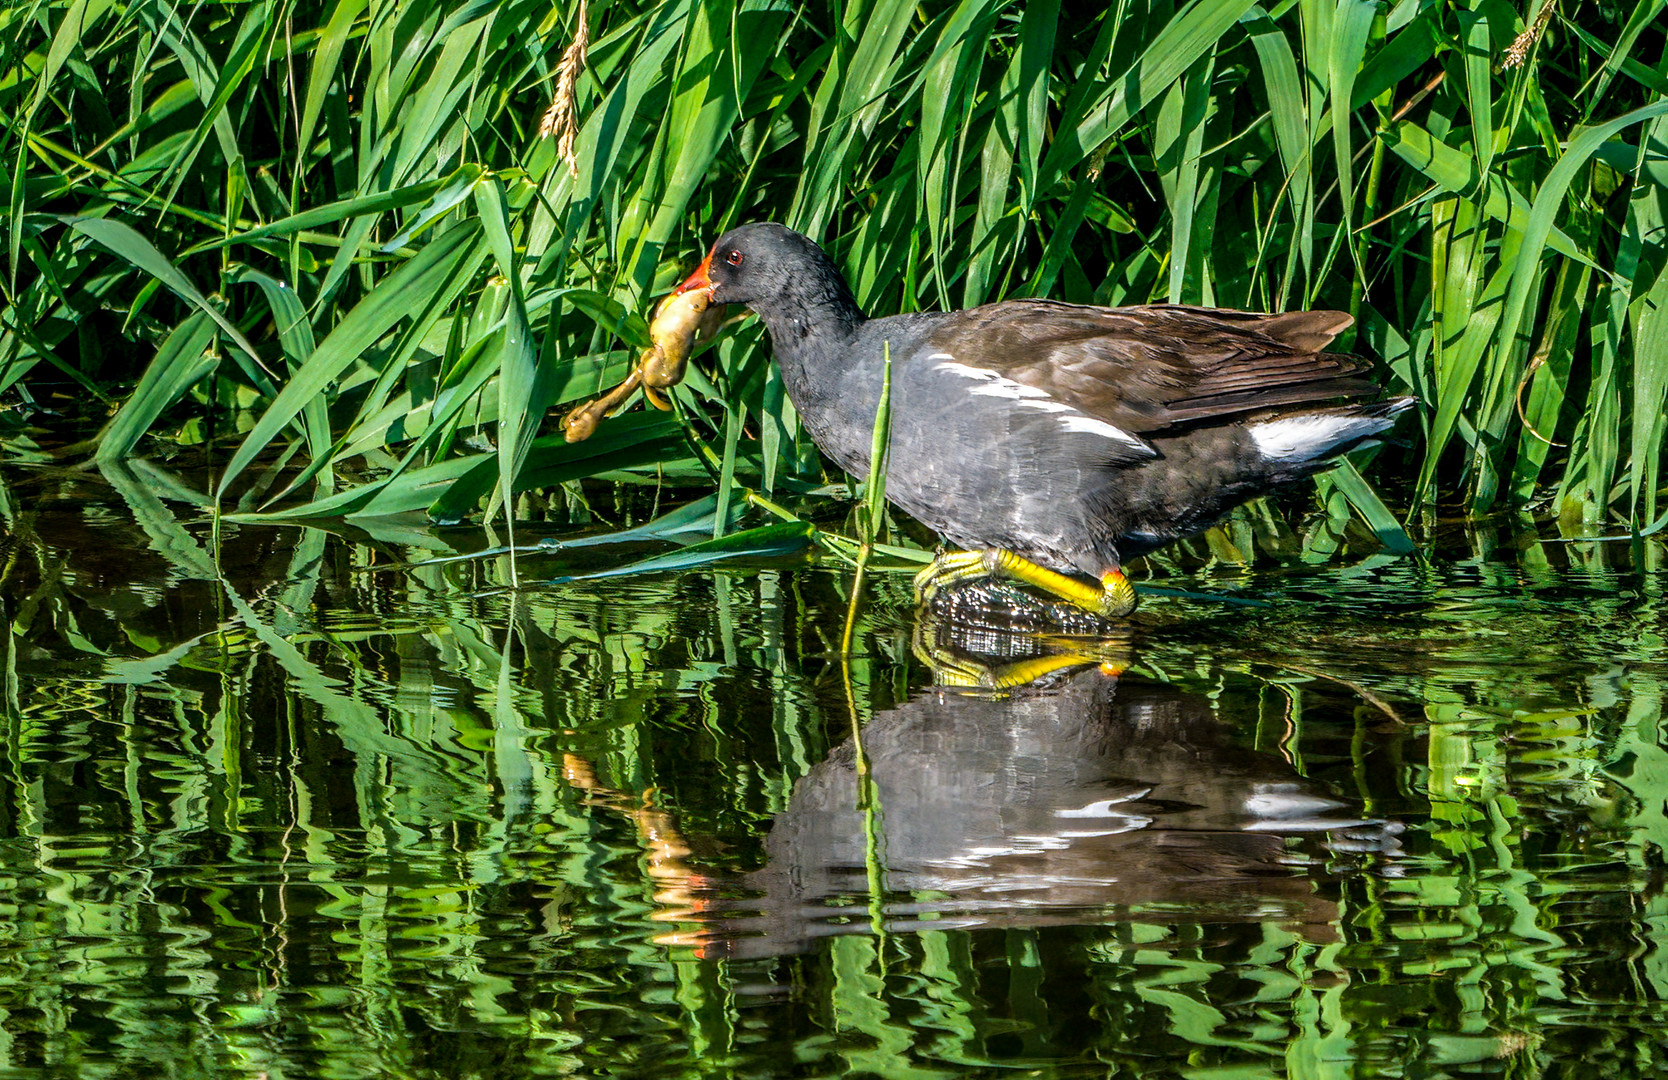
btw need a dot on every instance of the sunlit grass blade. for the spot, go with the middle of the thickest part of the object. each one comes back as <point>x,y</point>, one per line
<point>846,105</point>
<point>1549,199</point>
<point>957,153</point>
<point>1288,114</point>
<point>451,490</point>
<point>522,394</point>
<point>686,525</point>
<point>1453,172</point>
<point>765,541</point>
<point>1367,503</point>
<point>124,241</point>
<point>1178,141</point>
<point>873,512</point>
<point>295,336</point>
<point>442,268</point>
<point>1644,13</point>
<point>1650,396</point>
<point>1352,27</point>
<point>625,442</point>
<point>180,363</point>
<point>1183,40</point>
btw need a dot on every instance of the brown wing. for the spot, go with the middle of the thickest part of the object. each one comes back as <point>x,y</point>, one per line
<point>1147,368</point>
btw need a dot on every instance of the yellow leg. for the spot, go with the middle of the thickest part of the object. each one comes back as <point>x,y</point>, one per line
<point>1113,598</point>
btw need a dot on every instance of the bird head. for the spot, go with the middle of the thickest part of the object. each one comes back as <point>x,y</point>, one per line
<point>767,266</point>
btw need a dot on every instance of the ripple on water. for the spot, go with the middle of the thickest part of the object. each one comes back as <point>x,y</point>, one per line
<point>305,816</point>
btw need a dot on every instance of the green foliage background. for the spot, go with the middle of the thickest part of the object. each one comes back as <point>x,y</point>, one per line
<point>330,233</point>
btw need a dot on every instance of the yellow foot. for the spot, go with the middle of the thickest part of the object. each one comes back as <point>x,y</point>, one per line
<point>1113,598</point>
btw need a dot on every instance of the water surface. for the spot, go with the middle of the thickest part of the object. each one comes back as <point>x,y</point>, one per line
<point>282,805</point>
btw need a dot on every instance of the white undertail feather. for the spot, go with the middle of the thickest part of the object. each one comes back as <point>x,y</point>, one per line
<point>1312,436</point>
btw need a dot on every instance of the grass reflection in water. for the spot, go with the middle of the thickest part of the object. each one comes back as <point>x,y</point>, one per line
<point>268,811</point>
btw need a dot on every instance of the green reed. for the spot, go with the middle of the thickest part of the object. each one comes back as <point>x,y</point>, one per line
<point>332,236</point>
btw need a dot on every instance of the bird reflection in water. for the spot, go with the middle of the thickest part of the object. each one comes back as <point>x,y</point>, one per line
<point>1032,785</point>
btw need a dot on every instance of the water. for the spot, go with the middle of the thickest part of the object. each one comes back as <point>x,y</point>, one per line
<point>281,807</point>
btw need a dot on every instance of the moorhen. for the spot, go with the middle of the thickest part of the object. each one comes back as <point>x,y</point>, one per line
<point>1052,440</point>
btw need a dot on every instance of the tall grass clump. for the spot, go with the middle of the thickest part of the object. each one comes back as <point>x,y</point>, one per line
<point>361,248</point>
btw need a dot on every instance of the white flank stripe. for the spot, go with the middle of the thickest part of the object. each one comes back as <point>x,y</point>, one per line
<point>949,364</point>
<point>1088,425</point>
<point>1006,388</point>
<point>991,384</point>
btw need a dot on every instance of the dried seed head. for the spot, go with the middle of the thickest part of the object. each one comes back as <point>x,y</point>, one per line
<point>562,119</point>
<point>1518,51</point>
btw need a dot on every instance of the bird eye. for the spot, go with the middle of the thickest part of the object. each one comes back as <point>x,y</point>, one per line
<point>733,258</point>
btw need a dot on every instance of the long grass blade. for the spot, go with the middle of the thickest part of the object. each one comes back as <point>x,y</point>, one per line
<point>181,363</point>
<point>443,267</point>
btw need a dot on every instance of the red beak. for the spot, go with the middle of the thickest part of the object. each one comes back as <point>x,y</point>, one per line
<point>699,279</point>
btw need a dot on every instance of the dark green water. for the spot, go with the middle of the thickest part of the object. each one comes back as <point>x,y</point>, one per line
<point>277,808</point>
